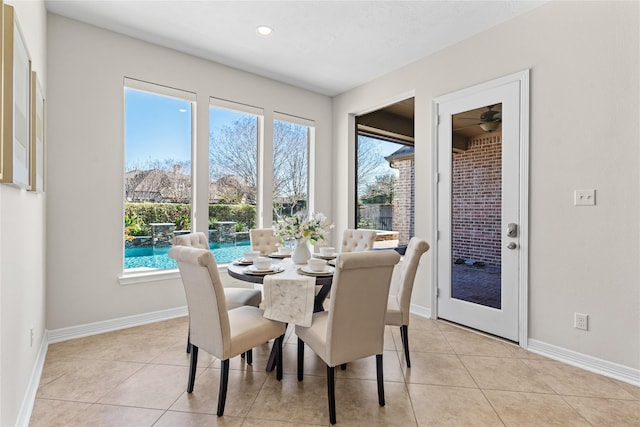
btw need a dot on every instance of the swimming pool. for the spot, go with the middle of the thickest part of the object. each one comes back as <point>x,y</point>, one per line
<point>157,258</point>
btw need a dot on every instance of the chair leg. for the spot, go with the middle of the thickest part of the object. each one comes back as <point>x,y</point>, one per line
<point>343,367</point>
<point>404,333</point>
<point>189,341</point>
<point>242,355</point>
<point>192,368</point>
<point>224,380</point>
<point>380,378</point>
<point>331,392</point>
<point>249,356</point>
<point>278,343</point>
<point>300,358</point>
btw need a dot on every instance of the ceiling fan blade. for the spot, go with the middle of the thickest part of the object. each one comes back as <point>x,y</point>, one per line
<point>467,126</point>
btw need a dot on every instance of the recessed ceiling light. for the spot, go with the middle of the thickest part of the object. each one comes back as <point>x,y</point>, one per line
<point>263,30</point>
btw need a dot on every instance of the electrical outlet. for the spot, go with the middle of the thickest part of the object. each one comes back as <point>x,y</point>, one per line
<point>584,197</point>
<point>581,321</point>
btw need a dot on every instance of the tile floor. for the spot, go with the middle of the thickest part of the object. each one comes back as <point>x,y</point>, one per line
<point>137,377</point>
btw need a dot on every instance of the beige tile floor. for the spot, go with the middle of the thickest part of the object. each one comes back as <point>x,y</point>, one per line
<point>137,377</point>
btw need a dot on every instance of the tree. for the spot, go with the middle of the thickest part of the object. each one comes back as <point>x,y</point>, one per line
<point>369,160</point>
<point>290,166</point>
<point>381,190</point>
<point>233,151</point>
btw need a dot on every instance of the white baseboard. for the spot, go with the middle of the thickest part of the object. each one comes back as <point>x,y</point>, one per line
<point>72,332</point>
<point>590,363</point>
<point>420,311</point>
<point>34,382</point>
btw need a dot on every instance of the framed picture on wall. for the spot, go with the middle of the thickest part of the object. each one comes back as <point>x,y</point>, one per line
<point>16,85</point>
<point>37,135</point>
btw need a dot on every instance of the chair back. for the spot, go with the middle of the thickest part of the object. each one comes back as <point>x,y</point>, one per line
<point>357,240</point>
<point>208,317</point>
<point>263,240</point>
<point>407,274</point>
<point>196,240</point>
<point>358,303</point>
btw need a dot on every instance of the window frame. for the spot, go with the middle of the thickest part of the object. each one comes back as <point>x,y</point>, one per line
<point>132,276</point>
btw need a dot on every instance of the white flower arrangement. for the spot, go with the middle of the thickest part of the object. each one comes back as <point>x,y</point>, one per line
<point>302,227</point>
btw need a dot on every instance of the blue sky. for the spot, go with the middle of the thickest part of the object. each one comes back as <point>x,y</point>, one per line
<point>157,128</point>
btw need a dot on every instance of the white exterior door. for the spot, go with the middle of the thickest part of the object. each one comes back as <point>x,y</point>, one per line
<point>481,208</point>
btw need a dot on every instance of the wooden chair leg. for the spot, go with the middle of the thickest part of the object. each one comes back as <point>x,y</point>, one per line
<point>189,341</point>
<point>192,368</point>
<point>380,378</point>
<point>249,356</point>
<point>300,358</point>
<point>331,393</point>
<point>404,333</point>
<point>343,367</point>
<point>278,343</point>
<point>224,380</point>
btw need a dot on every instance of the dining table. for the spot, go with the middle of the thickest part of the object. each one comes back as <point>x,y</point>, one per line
<point>284,271</point>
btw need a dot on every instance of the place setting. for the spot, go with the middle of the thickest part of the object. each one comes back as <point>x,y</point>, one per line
<point>248,258</point>
<point>283,252</point>
<point>326,253</point>
<point>262,266</point>
<point>316,267</point>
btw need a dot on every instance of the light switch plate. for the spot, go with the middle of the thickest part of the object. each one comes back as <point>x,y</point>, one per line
<point>584,197</point>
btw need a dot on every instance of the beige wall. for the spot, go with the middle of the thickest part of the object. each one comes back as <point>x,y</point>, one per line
<point>86,157</point>
<point>22,253</point>
<point>584,62</point>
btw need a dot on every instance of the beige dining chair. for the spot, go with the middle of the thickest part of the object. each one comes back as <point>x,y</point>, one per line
<point>263,240</point>
<point>353,327</point>
<point>356,240</point>
<point>234,297</point>
<point>220,332</point>
<point>399,304</point>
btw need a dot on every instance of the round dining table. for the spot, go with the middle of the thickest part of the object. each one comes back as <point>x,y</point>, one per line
<point>239,271</point>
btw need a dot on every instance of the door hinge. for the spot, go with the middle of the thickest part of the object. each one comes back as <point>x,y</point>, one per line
<point>437,177</point>
<point>437,292</point>
<point>438,235</point>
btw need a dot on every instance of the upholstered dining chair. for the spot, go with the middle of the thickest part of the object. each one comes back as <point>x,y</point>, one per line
<point>263,240</point>
<point>353,327</point>
<point>220,332</point>
<point>356,240</point>
<point>234,297</point>
<point>402,285</point>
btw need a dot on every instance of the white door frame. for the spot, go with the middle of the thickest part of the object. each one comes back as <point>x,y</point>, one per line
<point>522,78</point>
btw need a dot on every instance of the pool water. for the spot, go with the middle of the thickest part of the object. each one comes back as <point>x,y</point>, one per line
<point>157,258</point>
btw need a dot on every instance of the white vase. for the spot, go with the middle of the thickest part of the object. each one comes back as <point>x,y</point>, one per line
<point>301,253</point>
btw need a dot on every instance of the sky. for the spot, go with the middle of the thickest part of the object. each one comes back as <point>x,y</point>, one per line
<point>159,127</point>
<point>156,128</point>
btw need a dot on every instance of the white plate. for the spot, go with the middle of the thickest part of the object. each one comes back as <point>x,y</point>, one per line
<point>325,256</point>
<point>273,269</point>
<point>326,270</point>
<point>279,255</point>
<point>242,261</point>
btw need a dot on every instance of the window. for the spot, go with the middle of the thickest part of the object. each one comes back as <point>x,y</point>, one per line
<point>291,140</point>
<point>157,176</point>
<point>234,138</point>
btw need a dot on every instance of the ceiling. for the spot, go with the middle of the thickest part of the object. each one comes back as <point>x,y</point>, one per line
<point>328,47</point>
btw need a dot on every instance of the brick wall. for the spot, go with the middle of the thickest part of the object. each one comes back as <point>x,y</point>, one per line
<point>477,200</point>
<point>403,200</point>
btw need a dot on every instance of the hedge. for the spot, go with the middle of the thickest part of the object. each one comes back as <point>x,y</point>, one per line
<point>143,214</point>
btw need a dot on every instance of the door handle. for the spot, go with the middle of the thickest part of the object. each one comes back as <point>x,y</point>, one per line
<point>512,230</point>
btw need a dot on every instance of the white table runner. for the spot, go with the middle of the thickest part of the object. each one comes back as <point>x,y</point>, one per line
<point>289,297</point>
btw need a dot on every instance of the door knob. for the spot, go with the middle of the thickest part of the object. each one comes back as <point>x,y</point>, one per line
<point>511,245</point>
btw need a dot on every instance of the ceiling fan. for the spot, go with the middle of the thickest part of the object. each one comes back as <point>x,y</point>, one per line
<point>489,120</point>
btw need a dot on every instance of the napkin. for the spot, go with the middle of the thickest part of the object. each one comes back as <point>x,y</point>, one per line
<point>289,299</point>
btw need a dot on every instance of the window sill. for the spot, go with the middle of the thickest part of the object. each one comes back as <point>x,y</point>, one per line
<point>150,275</point>
<point>142,276</point>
